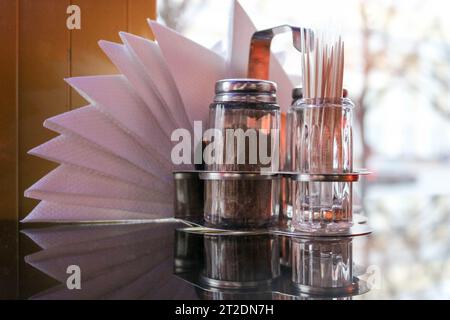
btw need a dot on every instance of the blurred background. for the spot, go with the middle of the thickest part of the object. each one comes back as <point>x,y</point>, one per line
<point>397,71</point>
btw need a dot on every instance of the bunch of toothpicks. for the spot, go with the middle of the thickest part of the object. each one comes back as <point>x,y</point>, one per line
<point>322,66</point>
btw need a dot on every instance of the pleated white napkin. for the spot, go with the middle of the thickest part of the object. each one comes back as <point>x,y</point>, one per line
<point>114,153</point>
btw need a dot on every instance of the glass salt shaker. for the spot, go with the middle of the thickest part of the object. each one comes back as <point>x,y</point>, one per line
<point>321,153</point>
<point>241,187</point>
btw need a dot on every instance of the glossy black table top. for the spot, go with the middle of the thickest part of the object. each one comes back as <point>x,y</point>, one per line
<point>407,256</point>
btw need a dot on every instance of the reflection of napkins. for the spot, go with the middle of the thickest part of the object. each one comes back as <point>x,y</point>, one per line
<point>132,261</point>
<point>115,152</point>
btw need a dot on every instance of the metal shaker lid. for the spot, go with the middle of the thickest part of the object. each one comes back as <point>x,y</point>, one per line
<point>246,90</point>
<point>297,93</point>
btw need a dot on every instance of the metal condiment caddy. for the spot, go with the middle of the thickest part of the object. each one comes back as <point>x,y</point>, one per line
<point>311,194</point>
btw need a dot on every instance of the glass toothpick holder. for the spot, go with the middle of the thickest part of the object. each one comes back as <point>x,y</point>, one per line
<point>321,164</point>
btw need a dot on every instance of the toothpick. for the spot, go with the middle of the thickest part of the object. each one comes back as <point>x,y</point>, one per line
<point>322,65</point>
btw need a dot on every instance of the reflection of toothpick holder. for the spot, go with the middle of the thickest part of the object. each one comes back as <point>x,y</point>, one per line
<point>324,267</point>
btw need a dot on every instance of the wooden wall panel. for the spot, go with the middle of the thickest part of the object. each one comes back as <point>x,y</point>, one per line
<point>39,54</point>
<point>103,19</point>
<point>43,63</point>
<point>138,13</point>
<point>100,19</point>
<point>8,150</point>
<point>8,109</point>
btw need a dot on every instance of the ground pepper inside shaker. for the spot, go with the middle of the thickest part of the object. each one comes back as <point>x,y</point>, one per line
<point>246,116</point>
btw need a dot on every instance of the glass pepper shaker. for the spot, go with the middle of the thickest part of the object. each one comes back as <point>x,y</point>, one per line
<point>241,155</point>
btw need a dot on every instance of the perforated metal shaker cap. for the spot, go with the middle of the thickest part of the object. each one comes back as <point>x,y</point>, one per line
<point>246,90</point>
